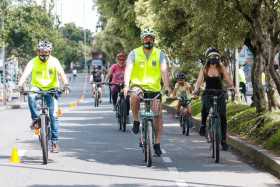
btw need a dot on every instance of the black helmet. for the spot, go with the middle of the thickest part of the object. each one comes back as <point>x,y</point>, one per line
<point>180,76</point>
<point>212,52</point>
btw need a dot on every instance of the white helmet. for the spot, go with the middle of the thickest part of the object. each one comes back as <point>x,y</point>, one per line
<point>147,32</point>
<point>44,46</point>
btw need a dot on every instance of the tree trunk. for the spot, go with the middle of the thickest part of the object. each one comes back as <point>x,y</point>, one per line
<point>270,92</point>
<point>270,86</point>
<point>258,91</point>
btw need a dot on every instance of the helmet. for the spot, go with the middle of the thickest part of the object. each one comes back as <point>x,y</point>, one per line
<point>180,76</point>
<point>147,32</point>
<point>212,52</point>
<point>121,54</point>
<point>44,46</point>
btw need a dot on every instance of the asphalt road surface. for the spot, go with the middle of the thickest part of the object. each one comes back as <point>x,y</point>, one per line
<point>93,152</point>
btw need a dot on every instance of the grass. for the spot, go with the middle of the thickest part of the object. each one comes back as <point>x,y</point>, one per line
<point>243,121</point>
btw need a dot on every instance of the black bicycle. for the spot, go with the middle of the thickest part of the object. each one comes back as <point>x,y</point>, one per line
<point>214,134</point>
<point>95,93</point>
<point>121,108</point>
<point>43,128</point>
<point>185,119</point>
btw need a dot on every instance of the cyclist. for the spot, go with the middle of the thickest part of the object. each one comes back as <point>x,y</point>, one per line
<point>45,70</point>
<point>74,72</point>
<point>182,89</point>
<point>213,74</point>
<point>96,77</point>
<point>117,73</point>
<point>146,66</point>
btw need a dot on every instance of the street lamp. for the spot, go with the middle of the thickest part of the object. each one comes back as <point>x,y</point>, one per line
<point>3,6</point>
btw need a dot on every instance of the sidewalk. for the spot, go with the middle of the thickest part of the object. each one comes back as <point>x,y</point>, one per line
<point>261,157</point>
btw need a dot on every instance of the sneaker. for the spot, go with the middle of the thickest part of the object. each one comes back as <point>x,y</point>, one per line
<point>157,149</point>
<point>202,130</point>
<point>224,146</point>
<point>55,148</point>
<point>135,128</point>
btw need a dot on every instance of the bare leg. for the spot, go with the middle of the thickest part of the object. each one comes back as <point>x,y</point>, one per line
<point>135,105</point>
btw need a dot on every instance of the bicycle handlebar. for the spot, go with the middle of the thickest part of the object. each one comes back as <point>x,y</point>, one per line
<point>142,96</point>
<point>42,92</point>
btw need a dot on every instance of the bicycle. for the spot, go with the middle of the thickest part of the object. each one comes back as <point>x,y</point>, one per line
<point>121,108</point>
<point>185,119</point>
<point>96,93</point>
<point>44,129</point>
<point>214,133</point>
<point>147,132</point>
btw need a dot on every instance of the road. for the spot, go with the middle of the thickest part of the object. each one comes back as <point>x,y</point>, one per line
<point>94,153</point>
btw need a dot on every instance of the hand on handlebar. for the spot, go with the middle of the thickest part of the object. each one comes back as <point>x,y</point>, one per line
<point>125,91</point>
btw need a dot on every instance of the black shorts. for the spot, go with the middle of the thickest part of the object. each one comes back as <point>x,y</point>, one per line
<point>151,95</point>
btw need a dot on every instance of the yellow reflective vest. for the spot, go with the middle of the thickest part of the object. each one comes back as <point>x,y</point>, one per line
<point>146,72</point>
<point>45,74</point>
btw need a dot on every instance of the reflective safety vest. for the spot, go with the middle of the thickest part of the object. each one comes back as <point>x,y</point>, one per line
<point>146,71</point>
<point>45,74</point>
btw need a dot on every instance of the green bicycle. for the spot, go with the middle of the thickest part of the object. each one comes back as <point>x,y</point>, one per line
<point>147,132</point>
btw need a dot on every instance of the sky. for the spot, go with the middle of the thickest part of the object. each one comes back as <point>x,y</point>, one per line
<point>75,11</point>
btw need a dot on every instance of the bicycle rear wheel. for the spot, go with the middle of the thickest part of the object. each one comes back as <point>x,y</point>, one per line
<point>44,137</point>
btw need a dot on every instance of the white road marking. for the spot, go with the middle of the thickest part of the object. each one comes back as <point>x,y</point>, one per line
<point>182,184</point>
<point>163,151</point>
<point>21,152</point>
<point>167,159</point>
<point>172,169</point>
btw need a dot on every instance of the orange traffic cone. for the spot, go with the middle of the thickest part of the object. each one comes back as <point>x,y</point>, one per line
<point>59,112</point>
<point>15,156</point>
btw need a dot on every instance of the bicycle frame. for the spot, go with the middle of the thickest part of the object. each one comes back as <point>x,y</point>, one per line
<point>214,127</point>
<point>147,132</point>
<point>185,118</point>
<point>44,131</point>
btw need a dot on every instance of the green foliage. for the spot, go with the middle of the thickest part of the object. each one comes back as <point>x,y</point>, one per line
<point>26,23</point>
<point>196,107</point>
<point>120,31</point>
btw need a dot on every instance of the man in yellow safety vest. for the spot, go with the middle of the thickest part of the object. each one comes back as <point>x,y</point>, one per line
<point>45,70</point>
<point>145,68</point>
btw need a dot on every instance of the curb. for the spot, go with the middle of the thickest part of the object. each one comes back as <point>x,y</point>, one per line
<point>261,157</point>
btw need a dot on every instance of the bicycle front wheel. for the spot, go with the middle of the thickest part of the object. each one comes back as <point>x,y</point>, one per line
<point>217,147</point>
<point>149,142</point>
<point>123,115</point>
<point>188,125</point>
<point>44,138</point>
<point>183,124</point>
